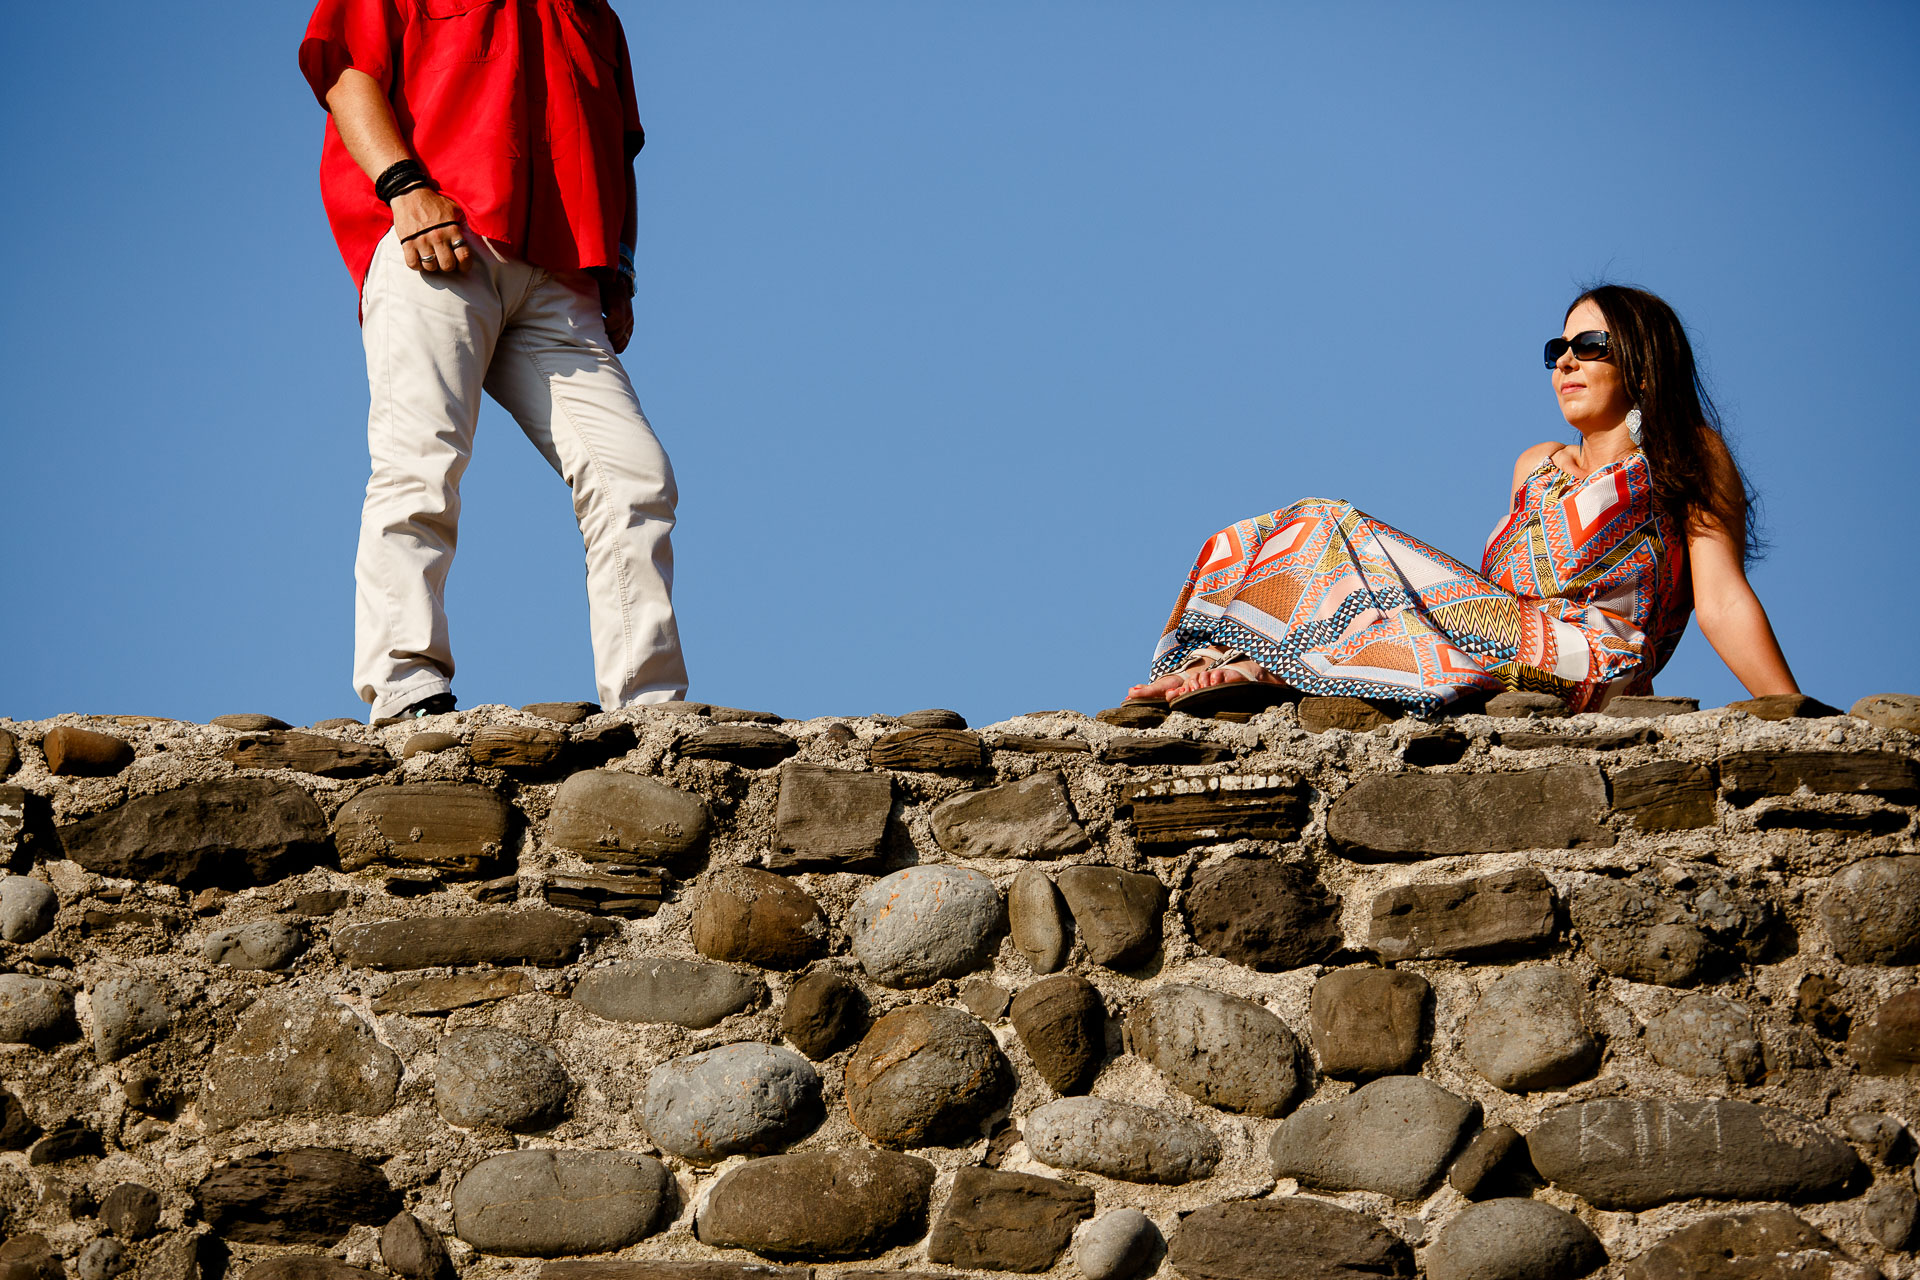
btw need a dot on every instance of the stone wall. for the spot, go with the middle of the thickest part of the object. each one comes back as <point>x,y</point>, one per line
<point>700,994</point>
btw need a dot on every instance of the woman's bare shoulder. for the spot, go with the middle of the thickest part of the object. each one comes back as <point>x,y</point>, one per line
<point>1527,462</point>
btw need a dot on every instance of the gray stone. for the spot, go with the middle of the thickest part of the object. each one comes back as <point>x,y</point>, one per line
<point>1771,1244</point>
<point>1441,814</point>
<point>1174,814</point>
<point>1871,911</point>
<point>33,1010</point>
<point>1263,914</point>
<point>1037,920</point>
<point>1666,795</point>
<point>1649,706</point>
<point>928,749</point>
<point>516,748</point>
<point>1116,912</point>
<point>824,1011</point>
<point>101,1259</point>
<point>738,1099</point>
<point>1749,775</point>
<point>1891,1213</point>
<point>84,753</point>
<point>1882,710</point>
<point>748,745</point>
<point>1784,706</point>
<point>985,1000</point>
<point>1503,914</point>
<point>1220,1049</point>
<point>618,817</point>
<point>925,923</point>
<point>1708,1036</point>
<point>1031,818</point>
<point>687,992</point>
<point>413,1249</point>
<point>292,1054</point>
<point>1634,1154</point>
<point>309,1195</point>
<point>752,916</point>
<point>537,937</point>
<point>1636,934</point>
<point>1514,1239</point>
<point>487,1076</point>
<point>687,1269</point>
<point>452,827</point>
<point>131,1211</point>
<point>426,744</point>
<point>256,945</point>
<point>1368,1022</point>
<point>1121,1140</point>
<point>1888,1043</point>
<point>1606,740</point>
<point>924,1074</point>
<point>127,1012</point>
<point>432,993</point>
<point>1884,1137</point>
<point>1134,715</point>
<point>1529,1031</point>
<point>563,712</point>
<point>1394,1136</point>
<point>27,908</point>
<point>832,819</point>
<point>1290,1238</point>
<point>248,722</point>
<point>1002,1221</point>
<point>1518,704</point>
<point>849,1203</point>
<point>1482,1168</point>
<point>738,715</point>
<point>1062,1024</point>
<point>548,1204</point>
<point>235,832</point>
<point>1116,1246</point>
<point>313,753</point>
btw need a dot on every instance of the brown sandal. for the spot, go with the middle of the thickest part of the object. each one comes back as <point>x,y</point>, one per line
<point>1248,693</point>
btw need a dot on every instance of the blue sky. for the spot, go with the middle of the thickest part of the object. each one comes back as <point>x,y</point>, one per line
<point>964,323</point>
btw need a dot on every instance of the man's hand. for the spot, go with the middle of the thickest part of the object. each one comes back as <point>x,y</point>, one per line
<point>616,303</point>
<point>442,249</point>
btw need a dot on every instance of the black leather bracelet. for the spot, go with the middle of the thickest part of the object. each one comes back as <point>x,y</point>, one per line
<point>399,178</point>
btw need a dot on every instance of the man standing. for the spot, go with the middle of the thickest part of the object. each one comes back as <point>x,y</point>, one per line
<point>477,173</point>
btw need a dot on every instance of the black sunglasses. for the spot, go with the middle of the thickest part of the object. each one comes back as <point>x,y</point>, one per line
<point>1591,345</point>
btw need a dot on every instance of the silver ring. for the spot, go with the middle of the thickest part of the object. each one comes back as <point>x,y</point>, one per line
<point>458,244</point>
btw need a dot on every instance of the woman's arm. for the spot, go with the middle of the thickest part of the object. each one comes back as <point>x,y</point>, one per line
<point>1731,616</point>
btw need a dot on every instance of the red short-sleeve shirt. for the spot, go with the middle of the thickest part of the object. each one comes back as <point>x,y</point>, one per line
<point>522,111</point>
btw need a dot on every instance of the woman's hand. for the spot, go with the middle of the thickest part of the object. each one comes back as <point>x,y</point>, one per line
<point>442,249</point>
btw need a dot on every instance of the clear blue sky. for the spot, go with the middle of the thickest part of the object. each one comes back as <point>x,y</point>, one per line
<point>964,324</point>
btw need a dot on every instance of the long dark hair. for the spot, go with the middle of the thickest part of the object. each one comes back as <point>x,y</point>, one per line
<point>1695,477</point>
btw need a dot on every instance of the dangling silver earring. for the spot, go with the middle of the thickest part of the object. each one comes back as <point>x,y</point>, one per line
<point>1633,425</point>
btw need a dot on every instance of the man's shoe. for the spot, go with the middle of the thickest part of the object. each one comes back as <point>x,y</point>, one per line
<point>436,705</point>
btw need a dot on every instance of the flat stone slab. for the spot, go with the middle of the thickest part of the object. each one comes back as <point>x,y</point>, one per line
<point>1749,775</point>
<point>309,1195</point>
<point>1650,707</point>
<point>1263,914</point>
<point>432,993</point>
<point>928,749</point>
<point>547,1204</point>
<point>236,832</point>
<point>1606,740</point>
<point>1507,913</point>
<point>676,1269</point>
<point>1220,1049</point>
<point>1771,1244</point>
<point>848,1203</point>
<point>294,1054</point>
<point>1151,749</point>
<point>748,745</point>
<point>562,712</point>
<point>1368,1022</point>
<point>1290,1238</point>
<point>1355,715</point>
<point>1393,1136</point>
<point>830,819</point>
<point>1007,1221</point>
<point>1121,1140</point>
<point>606,816</point>
<point>1170,815</point>
<point>1882,710</point>
<point>452,827</point>
<point>1666,795</point>
<point>1518,1238</point>
<point>1619,1153</point>
<point>314,753</point>
<point>689,993</point>
<point>1888,1043</point>
<point>1030,818</point>
<point>1436,815</point>
<point>536,937</point>
<point>738,1099</point>
<point>636,893</point>
<point>925,1074</point>
<point>517,748</point>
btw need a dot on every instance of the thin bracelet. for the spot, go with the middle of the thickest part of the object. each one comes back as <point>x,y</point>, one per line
<point>435,227</point>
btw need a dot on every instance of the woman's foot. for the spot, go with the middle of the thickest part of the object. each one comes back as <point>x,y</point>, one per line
<point>1163,688</point>
<point>1240,685</point>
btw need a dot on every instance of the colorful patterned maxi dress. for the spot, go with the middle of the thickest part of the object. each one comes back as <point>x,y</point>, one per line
<point>1582,593</point>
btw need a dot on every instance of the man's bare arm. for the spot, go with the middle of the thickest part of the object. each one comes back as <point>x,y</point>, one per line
<point>364,118</point>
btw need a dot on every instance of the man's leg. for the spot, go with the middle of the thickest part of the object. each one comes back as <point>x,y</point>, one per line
<point>554,372</point>
<point>428,340</point>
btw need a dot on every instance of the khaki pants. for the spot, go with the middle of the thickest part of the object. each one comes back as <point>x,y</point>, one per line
<point>535,341</point>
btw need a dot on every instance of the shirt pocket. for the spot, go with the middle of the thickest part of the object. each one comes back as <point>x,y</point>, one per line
<point>460,31</point>
<point>594,24</point>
